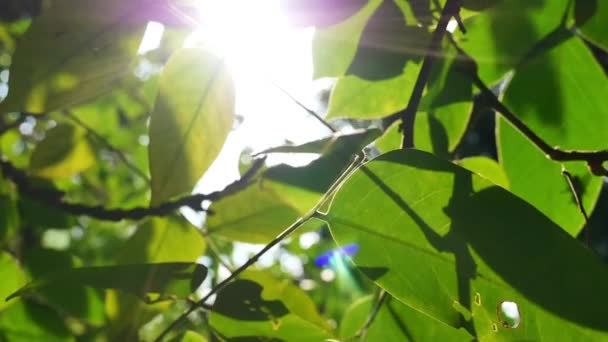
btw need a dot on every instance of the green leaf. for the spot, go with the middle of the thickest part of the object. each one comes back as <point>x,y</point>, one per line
<point>78,302</point>
<point>356,98</point>
<point>168,279</point>
<point>387,44</point>
<point>396,322</point>
<point>170,239</point>
<point>487,168</point>
<point>320,13</point>
<point>260,212</point>
<point>435,242</point>
<point>12,277</point>
<point>189,336</point>
<point>30,321</point>
<point>259,305</point>
<point>9,221</point>
<point>329,145</point>
<point>591,17</point>
<point>73,52</point>
<point>192,117</point>
<point>64,152</point>
<point>501,36</point>
<point>334,47</point>
<point>564,107</point>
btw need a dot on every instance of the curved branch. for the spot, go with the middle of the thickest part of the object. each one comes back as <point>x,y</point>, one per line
<point>55,198</point>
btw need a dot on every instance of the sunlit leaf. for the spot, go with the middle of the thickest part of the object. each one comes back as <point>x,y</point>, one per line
<point>170,239</point>
<point>591,18</point>
<point>354,97</point>
<point>396,321</point>
<point>334,47</point>
<point>433,234</point>
<point>73,52</point>
<point>260,305</point>
<point>64,152</point>
<point>501,36</point>
<point>189,336</point>
<point>268,206</point>
<point>167,279</point>
<point>565,107</point>
<point>192,116</point>
<point>487,168</point>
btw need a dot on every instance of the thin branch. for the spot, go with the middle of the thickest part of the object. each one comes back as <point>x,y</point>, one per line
<point>310,111</point>
<point>408,116</point>
<point>213,248</point>
<point>55,198</point>
<point>579,203</point>
<point>105,143</point>
<point>372,315</point>
<point>285,233</point>
<point>594,159</point>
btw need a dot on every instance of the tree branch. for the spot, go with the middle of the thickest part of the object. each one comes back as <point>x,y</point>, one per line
<point>55,198</point>
<point>308,110</point>
<point>579,203</point>
<point>408,115</point>
<point>594,159</point>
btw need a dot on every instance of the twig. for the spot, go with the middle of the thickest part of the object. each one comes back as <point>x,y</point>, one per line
<point>408,116</point>
<point>285,233</point>
<point>103,141</point>
<point>372,315</point>
<point>55,198</point>
<point>213,248</point>
<point>594,159</point>
<point>579,203</point>
<point>310,111</point>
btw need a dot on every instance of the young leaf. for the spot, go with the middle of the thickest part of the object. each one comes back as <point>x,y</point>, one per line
<point>73,52</point>
<point>166,279</point>
<point>433,234</point>
<point>12,277</point>
<point>487,168</point>
<point>257,304</point>
<point>64,152</point>
<point>192,117</point>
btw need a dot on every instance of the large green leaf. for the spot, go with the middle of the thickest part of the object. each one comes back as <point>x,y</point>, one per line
<point>334,47</point>
<point>167,279</point>
<point>565,107</point>
<point>434,235</point>
<point>257,304</point>
<point>73,52</point>
<point>64,152</point>
<point>591,19</point>
<point>396,322</point>
<point>192,117</point>
<point>268,206</point>
<point>500,37</point>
